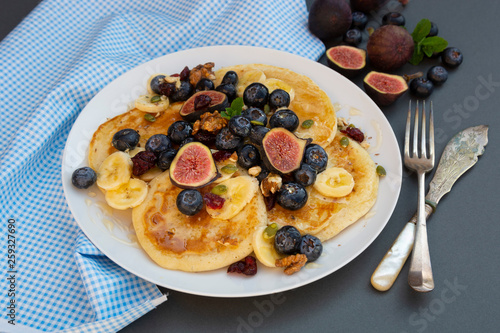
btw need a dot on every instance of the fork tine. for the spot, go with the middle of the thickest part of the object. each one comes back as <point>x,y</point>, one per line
<point>415,133</point>
<point>407,133</point>
<point>423,150</point>
<point>431,134</point>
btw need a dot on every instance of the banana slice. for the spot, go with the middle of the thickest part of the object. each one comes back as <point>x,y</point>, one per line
<point>263,247</point>
<point>240,190</point>
<point>114,171</point>
<point>152,103</point>
<point>128,195</point>
<point>248,78</point>
<point>334,182</point>
<point>273,84</point>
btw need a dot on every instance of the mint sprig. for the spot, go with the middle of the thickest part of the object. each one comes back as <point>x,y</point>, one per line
<point>425,46</point>
<point>234,110</point>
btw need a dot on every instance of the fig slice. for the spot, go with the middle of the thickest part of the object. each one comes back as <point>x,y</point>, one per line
<point>201,102</point>
<point>193,167</point>
<point>384,88</point>
<point>347,60</point>
<point>282,150</point>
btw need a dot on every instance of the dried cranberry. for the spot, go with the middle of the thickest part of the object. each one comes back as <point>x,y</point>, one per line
<point>205,137</point>
<point>247,266</point>
<point>175,75</point>
<point>201,102</point>
<point>143,161</point>
<point>213,200</point>
<point>354,133</point>
<point>185,74</point>
<point>221,155</point>
<point>270,202</point>
<point>166,88</point>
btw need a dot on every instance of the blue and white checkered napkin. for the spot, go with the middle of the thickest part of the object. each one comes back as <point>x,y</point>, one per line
<point>52,64</point>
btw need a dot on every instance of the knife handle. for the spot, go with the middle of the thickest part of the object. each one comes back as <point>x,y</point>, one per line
<point>388,270</point>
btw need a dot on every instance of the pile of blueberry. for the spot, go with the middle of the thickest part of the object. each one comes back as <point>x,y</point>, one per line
<point>288,241</point>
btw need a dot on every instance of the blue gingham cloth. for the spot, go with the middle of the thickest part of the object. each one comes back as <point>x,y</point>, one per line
<point>52,64</point>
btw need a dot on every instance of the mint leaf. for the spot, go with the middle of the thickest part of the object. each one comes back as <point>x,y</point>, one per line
<point>234,110</point>
<point>416,57</point>
<point>421,30</point>
<point>237,105</point>
<point>435,44</point>
<point>428,51</point>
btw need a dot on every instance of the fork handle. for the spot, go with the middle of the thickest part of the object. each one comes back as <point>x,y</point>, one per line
<point>420,274</point>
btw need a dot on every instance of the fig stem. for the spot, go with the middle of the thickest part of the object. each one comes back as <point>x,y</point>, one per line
<point>409,77</point>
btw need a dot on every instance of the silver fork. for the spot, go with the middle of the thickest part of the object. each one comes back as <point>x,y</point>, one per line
<point>420,274</point>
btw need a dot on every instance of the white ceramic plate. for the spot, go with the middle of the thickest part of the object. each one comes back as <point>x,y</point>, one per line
<point>112,233</point>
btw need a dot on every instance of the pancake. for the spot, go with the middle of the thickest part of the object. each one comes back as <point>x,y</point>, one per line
<point>310,102</point>
<point>325,217</point>
<point>193,243</point>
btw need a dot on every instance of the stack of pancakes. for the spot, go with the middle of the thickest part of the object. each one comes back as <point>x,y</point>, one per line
<point>202,243</point>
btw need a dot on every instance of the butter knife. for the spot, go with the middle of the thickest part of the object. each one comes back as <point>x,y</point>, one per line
<point>459,155</point>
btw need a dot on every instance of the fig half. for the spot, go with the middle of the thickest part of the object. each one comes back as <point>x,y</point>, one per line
<point>282,150</point>
<point>193,167</point>
<point>347,60</point>
<point>201,102</point>
<point>384,88</point>
<point>389,48</point>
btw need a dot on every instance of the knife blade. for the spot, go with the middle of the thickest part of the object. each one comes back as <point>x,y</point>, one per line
<point>459,155</point>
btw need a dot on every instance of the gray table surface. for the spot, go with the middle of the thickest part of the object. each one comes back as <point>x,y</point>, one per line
<point>463,233</point>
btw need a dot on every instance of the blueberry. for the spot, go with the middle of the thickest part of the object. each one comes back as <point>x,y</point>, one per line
<point>189,202</point>
<point>305,176</point>
<point>204,84</point>
<point>287,240</point>
<point>285,118</point>
<point>165,158</point>
<point>225,140</point>
<point>186,141</point>
<point>264,172</point>
<point>393,19</point>
<point>437,74</point>
<point>240,126</point>
<point>421,87</point>
<point>125,139</point>
<point>230,77</point>
<point>292,196</point>
<point>310,246</point>
<point>228,89</point>
<point>352,37</point>
<point>316,157</point>
<point>359,20</point>
<point>158,143</point>
<point>156,82</point>
<point>257,133</point>
<point>183,92</point>
<point>279,98</point>
<point>256,94</point>
<point>452,57</point>
<point>179,131</point>
<point>434,30</point>
<point>248,156</point>
<point>83,177</point>
<point>255,114</point>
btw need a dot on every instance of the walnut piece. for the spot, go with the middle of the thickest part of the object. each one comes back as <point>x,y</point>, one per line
<point>210,122</point>
<point>254,171</point>
<point>233,157</point>
<point>270,185</point>
<point>292,263</point>
<point>200,72</point>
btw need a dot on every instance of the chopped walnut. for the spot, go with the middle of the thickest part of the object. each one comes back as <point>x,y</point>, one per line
<point>233,157</point>
<point>342,123</point>
<point>292,263</point>
<point>254,171</point>
<point>271,184</point>
<point>200,72</point>
<point>210,122</point>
